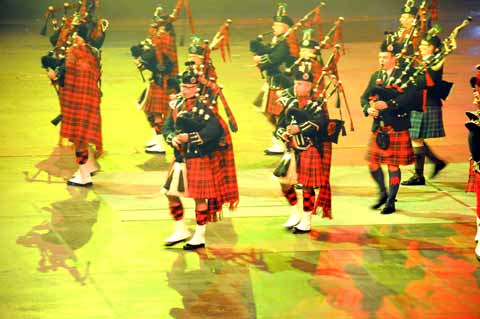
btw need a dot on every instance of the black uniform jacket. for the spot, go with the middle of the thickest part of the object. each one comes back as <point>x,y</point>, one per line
<point>198,121</point>
<point>400,105</point>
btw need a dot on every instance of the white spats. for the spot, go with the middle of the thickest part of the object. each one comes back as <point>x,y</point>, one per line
<point>199,236</point>
<point>295,217</point>
<point>180,233</point>
<point>305,224</point>
<point>81,177</point>
<point>158,147</point>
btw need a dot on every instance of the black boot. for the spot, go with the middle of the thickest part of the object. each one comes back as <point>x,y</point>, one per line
<point>439,164</point>
<point>381,201</point>
<point>415,180</point>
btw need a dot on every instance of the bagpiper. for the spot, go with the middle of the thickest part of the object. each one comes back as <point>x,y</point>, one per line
<point>390,142</point>
<point>195,133</point>
<point>283,50</point>
<point>158,54</point>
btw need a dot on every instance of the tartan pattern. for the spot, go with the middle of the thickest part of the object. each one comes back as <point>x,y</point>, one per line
<point>176,212</point>
<point>324,197</point>
<point>157,100</point>
<point>80,98</point>
<point>201,216</point>
<point>274,107</point>
<point>309,168</point>
<point>201,178</point>
<point>225,172</point>
<point>308,199</point>
<point>165,44</point>
<point>291,196</point>
<point>473,180</point>
<point>81,156</point>
<point>428,124</point>
<point>400,151</point>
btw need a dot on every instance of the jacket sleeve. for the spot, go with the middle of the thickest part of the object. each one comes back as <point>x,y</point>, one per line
<point>279,54</point>
<point>168,129</point>
<point>365,98</point>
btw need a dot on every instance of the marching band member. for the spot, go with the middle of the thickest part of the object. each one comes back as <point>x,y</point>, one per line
<point>389,142</point>
<point>158,55</point>
<point>312,152</point>
<point>283,50</point>
<point>429,122</point>
<point>194,132</point>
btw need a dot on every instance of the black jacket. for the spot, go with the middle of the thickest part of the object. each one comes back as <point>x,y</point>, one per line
<point>400,105</point>
<point>199,122</point>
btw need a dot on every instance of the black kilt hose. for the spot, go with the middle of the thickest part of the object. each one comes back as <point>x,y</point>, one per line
<point>428,124</point>
<point>399,152</point>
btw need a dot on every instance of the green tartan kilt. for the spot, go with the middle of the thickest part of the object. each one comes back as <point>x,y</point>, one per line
<point>428,124</point>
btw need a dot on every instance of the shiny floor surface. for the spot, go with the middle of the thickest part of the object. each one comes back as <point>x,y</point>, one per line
<point>98,253</point>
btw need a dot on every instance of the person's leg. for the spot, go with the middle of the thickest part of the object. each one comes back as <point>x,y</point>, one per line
<point>419,151</point>
<point>377,174</point>
<point>395,176</point>
<point>305,224</point>
<point>82,177</point>
<point>291,196</point>
<point>180,232</point>
<point>201,214</point>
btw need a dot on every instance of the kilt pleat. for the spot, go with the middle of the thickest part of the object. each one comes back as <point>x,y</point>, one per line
<point>274,107</point>
<point>157,100</point>
<point>400,151</point>
<point>201,178</point>
<point>428,124</point>
<point>80,98</point>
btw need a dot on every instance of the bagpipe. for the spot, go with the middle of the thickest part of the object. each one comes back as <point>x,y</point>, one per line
<point>410,75</point>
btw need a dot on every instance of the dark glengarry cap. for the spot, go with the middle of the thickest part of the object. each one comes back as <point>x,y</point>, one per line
<point>410,8</point>
<point>282,16</point>
<point>392,47</point>
<point>307,41</point>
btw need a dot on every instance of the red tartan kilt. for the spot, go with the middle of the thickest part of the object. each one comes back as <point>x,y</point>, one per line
<point>157,100</point>
<point>473,180</point>
<point>80,104</point>
<point>400,151</point>
<point>201,178</point>
<point>223,164</point>
<point>309,168</point>
<point>274,107</point>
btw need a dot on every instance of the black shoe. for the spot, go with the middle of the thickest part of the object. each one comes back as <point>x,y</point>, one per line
<point>69,183</point>
<point>414,181</point>
<point>193,247</point>
<point>388,210</point>
<point>381,201</point>
<point>297,231</point>
<point>473,115</point>
<point>155,152</point>
<point>172,243</point>
<point>438,168</point>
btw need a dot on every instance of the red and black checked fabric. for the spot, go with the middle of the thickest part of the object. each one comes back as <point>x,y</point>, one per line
<point>176,211</point>
<point>165,44</point>
<point>214,210</point>
<point>400,151</point>
<point>274,107</point>
<point>223,162</point>
<point>80,98</point>
<point>201,178</point>
<point>157,100</point>
<point>473,179</point>
<point>309,168</point>
<point>308,199</point>
<point>291,196</point>
<point>201,216</point>
<point>81,156</point>
<point>324,197</point>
